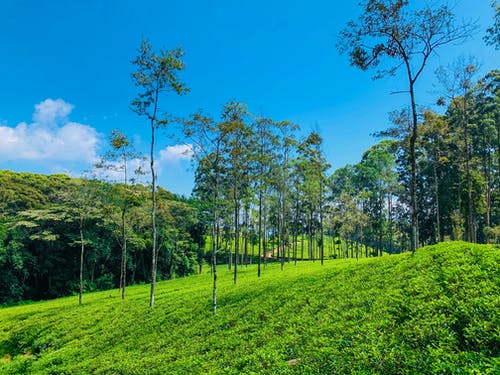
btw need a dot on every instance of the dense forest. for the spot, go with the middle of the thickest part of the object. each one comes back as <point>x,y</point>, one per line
<point>264,191</point>
<point>49,222</point>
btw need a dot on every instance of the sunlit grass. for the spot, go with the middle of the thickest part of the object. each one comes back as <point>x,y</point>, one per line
<point>436,312</point>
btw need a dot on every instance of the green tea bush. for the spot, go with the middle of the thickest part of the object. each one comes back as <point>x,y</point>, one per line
<point>432,313</point>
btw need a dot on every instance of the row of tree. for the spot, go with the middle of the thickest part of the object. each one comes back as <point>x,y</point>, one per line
<point>263,185</point>
<point>457,172</point>
<point>236,159</point>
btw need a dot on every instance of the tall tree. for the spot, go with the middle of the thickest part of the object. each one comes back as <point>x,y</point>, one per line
<point>236,143</point>
<point>156,73</point>
<point>117,161</point>
<point>82,206</point>
<point>435,147</point>
<point>377,177</point>
<point>313,165</point>
<point>487,113</point>
<point>391,30</point>
<point>207,140</point>
<point>287,144</point>
<point>267,141</point>
<point>458,82</point>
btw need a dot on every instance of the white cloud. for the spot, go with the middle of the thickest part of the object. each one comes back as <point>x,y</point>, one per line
<point>173,154</point>
<point>51,137</point>
<point>52,111</point>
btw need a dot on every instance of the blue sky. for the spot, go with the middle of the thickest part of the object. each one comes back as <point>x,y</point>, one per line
<point>65,75</point>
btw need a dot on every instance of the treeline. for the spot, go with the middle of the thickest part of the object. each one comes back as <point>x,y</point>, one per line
<point>458,164</point>
<point>263,185</point>
<point>54,227</point>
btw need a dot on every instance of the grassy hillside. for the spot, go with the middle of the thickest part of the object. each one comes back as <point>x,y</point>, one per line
<point>436,312</point>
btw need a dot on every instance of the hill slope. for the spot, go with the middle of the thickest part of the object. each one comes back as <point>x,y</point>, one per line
<point>436,312</point>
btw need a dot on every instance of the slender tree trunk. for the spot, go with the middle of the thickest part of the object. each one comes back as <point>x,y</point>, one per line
<point>264,238</point>
<point>322,245</point>
<point>380,201</point>
<point>487,178</point>
<point>471,233</point>
<point>459,200</point>
<point>413,170</point>
<point>236,236</point>
<point>436,197</point>
<point>123,272</point>
<point>277,237</point>
<point>215,231</point>
<point>302,245</point>
<point>230,257</point>
<point>153,201</point>
<point>309,237</point>
<point>123,278</point>
<point>281,232</point>
<point>314,242</point>
<point>295,238</point>
<point>215,240</point>
<point>82,250</point>
<point>389,214</point>
<point>245,238</point>
<point>260,231</point>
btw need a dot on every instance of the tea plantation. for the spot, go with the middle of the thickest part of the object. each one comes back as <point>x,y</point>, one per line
<point>437,312</point>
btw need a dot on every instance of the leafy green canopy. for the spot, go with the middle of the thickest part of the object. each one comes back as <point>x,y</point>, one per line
<point>40,221</point>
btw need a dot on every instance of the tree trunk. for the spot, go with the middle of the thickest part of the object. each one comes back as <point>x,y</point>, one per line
<point>82,249</point>
<point>260,231</point>
<point>123,273</point>
<point>322,245</point>
<point>309,236</point>
<point>215,240</point>
<point>389,214</point>
<point>236,236</point>
<point>413,171</point>
<point>245,238</point>
<point>438,211</point>
<point>487,178</point>
<point>153,202</point>
<point>264,238</point>
<point>230,257</point>
<point>302,245</point>
<point>471,233</point>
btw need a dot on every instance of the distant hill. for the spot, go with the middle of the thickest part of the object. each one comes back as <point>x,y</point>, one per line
<point>437,312</point>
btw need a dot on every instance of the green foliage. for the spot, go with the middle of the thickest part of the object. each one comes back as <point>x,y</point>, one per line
<point>40,236</point>
<point>436,312</point>
<point>21,191</point>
